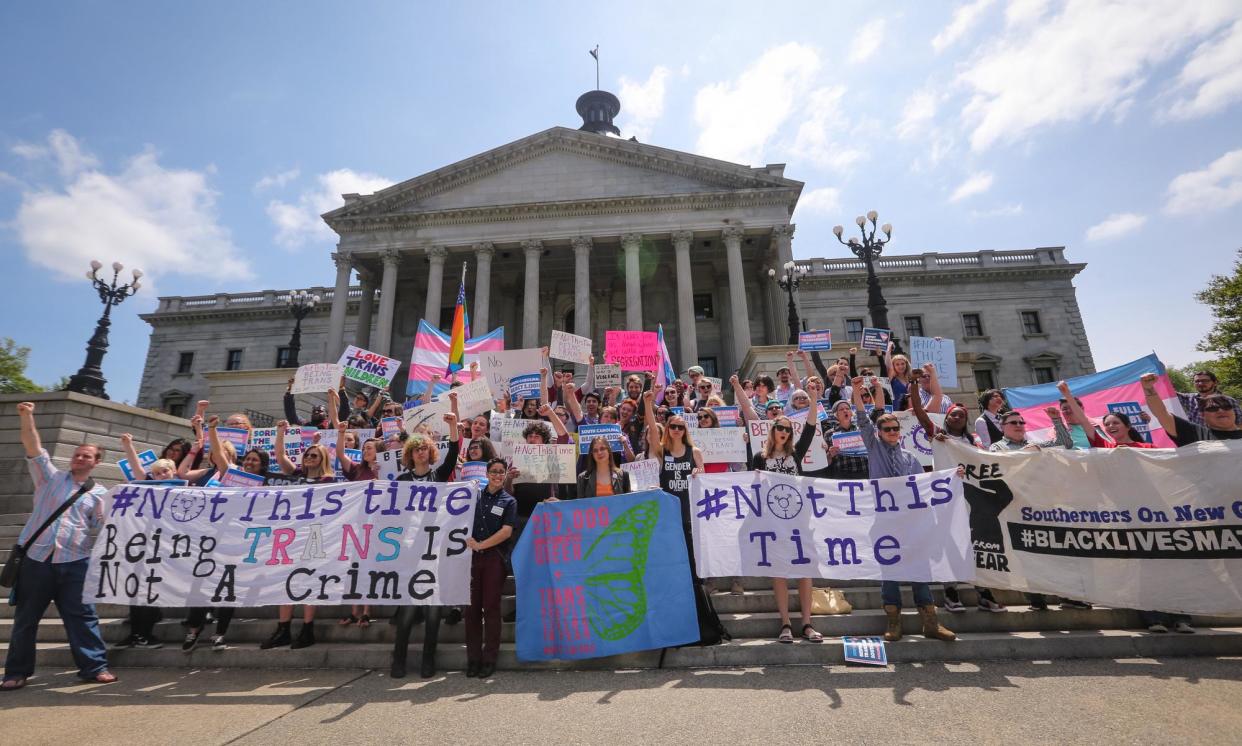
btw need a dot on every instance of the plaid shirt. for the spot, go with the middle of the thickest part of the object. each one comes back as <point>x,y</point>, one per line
<point>845,466</point>
<point>68,539</point>
<point>1193,404</point>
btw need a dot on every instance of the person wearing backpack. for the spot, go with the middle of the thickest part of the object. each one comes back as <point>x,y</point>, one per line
<point>52,554</point>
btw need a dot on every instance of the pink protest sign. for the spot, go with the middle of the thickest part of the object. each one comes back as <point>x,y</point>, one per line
<point>632,350</point>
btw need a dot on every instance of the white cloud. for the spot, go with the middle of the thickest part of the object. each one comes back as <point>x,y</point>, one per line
<point>296,224</point>
<point>867,40</point>
<point>820,201</point>
<point>919,111</point>
<point>276,181</point>
<point>815,141</point>
<point>1116,226</point>
<point>964,20</point>
<point>1024,12</point>
<point>8,179</point>
<point>1087,61</point>
<point>160,220</point>
<point>976,184</point>
<point>737,118</point>
<point>1212,77</point>
<point>1214,188</point>
<point>642,104</point>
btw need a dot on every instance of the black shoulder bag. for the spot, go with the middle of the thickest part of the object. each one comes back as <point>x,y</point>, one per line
<point>12,568</point>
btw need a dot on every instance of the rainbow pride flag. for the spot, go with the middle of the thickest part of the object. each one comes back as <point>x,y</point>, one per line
<point>461,330</point>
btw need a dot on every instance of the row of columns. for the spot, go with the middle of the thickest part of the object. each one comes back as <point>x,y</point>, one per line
<point>631,245</point>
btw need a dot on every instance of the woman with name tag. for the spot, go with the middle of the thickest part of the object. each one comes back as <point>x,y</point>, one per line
<point>493,525</point>
<point>886,458</point>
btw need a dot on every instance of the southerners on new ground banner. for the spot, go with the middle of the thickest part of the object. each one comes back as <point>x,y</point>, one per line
<point>603,576</point>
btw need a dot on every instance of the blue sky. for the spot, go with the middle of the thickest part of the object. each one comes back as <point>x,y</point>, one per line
<point>200,141</point>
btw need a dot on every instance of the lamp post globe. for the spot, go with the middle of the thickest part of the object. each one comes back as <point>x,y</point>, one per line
<point>869,250</point>
<point>89,379</point>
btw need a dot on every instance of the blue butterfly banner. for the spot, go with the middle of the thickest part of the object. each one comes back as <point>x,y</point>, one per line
<point>603,576</point>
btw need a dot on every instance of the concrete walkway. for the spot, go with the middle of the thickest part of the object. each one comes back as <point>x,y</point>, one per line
<point>1092,701</point>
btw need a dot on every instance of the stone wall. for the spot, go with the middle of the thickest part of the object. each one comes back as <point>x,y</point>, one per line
<point>66,420</point>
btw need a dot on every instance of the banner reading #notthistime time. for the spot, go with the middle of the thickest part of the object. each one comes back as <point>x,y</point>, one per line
<point>775,525</point>
<point>380,543</point>
<point>1130,528</point>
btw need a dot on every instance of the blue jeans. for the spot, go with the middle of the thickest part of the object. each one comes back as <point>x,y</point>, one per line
<point>41,583</point>
<point>890,593</point>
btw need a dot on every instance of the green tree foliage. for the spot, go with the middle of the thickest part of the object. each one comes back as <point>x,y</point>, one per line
<point>13,378</point>
<point>1223,295</point>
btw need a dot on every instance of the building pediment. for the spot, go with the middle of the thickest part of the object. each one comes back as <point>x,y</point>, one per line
<point>561,166</point>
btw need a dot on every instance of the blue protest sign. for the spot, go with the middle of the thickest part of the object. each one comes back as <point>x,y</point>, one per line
<point>1134,412</point>
<point>819,340</point>
<point>145,459</point>
<point>603,576</point>
<point>728,416</point>
<point>851,444</point>
<point>869,650</point>
<point>875,339</point>
<point>475,471</point>
<point>587,432</point>
<point>525,386</point>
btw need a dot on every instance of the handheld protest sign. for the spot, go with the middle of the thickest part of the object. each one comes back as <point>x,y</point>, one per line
<point>571,347</point>
<point>875,340</point>
<point>368,368</point>
<point>633,350</point>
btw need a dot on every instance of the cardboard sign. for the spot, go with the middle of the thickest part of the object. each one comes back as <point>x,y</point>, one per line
<point>875,339</point>
<point>316,378</point>
<point>389,463</point>
<point>939,352</point>
<point>473,399</point>
<point>721,445</point>
<point>550,464</point>
<point>644,474</point>
<point>868,650</point>
<point>587,433</point>
<point>525,386</point>
<point>850,444</point>
<point>431,415</point>
<point>145,459</point>
<point>571,347</point>
<point>636,351</point>
<point>239,478</point>
<point>1131,409</point>
<point>607,375</point>
<point>819,340</point>
<point>368,368</point>
<point>498,367</point>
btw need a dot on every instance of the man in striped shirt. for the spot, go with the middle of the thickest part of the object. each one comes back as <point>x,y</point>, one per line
<point>55,565</point>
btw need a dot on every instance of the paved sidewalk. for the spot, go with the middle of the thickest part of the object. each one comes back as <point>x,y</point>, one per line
<point>1094,701</point>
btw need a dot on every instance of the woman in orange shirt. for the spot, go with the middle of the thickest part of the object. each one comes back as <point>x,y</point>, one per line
<point>602,477</point>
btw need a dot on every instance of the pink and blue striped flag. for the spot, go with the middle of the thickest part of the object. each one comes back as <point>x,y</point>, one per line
<point>431,353</point>
<point>666,373</point>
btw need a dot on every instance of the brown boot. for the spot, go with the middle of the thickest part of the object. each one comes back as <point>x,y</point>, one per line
<point>893,633</point>
<point>932,627</point>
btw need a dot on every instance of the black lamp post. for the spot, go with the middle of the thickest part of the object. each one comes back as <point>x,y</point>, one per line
<point>89,378</point>
<point>869,250</point>
<point>301,303</point>
<point>789,282</point>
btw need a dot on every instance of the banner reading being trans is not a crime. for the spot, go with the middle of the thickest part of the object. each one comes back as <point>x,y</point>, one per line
<point>760,523</point>
<point>379,543</point>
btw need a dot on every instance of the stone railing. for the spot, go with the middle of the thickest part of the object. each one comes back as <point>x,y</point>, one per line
<point>933,261</point>
<point>254,299</point>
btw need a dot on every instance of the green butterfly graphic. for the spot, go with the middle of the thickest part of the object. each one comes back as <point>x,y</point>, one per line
<point>616,589</point>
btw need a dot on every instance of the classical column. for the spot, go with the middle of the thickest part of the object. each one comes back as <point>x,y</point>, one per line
<point>340,302</point>
<point>388,300</point>
<point>740,319</point>
<point>530,302</point>
<point>687,331</point>
<point>782,239</point>
<point>582,286</point>
<point>435,283</point>
<point>483,253</point>
<point>631,243</point>
<point>362,335</point>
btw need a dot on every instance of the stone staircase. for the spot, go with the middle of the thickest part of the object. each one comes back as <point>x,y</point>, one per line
<point>1017,634</point>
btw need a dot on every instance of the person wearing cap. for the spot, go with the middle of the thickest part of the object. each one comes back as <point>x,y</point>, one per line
<point>785,385</point>
<point>695,374</point>
<point>844,465</point>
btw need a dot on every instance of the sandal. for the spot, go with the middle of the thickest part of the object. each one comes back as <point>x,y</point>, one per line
<point>364,621</point>
<point>13,684</point>
<point>351,619</point>
<point>810,635</point>
<point>786,635</point>
<point>103,677</point>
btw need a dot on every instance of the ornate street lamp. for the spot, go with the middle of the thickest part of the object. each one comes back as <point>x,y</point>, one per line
<point>869,250</point>
<point>789,282</point>
<point>301,303</point>
<point>89,378</point>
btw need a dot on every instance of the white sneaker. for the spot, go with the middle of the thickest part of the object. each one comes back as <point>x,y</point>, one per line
<point>218,643</point>
<point>955,607</point>
<point>1158,628</point>
<point>990,605</point>
<point>1184,628</point>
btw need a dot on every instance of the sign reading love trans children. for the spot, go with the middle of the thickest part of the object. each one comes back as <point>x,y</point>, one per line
<point>603,576</point>
<point>368,368</point>
<point>632,350</point>
<point>913,528</point>
<point>379,543</point>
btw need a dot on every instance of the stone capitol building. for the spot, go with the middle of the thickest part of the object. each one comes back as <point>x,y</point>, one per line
<point>584,231</point>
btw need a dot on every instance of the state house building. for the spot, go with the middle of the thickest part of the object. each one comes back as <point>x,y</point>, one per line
<point>585,231</point>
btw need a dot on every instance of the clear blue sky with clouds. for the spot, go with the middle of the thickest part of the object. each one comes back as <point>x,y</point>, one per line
<point>200,141</point>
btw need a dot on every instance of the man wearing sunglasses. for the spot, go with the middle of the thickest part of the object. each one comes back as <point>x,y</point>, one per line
<point>1219,420</point>
<point>1013,430</point>
<point>1205,388</point>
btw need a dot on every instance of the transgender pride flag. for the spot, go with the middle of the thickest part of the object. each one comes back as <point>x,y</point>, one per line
<point>431,355</point>
<point>1097,391</point>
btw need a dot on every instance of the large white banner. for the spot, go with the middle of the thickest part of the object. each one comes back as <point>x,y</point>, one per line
<point>759,523</point>
<point>1131,528</point>
<point>379,543</point>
